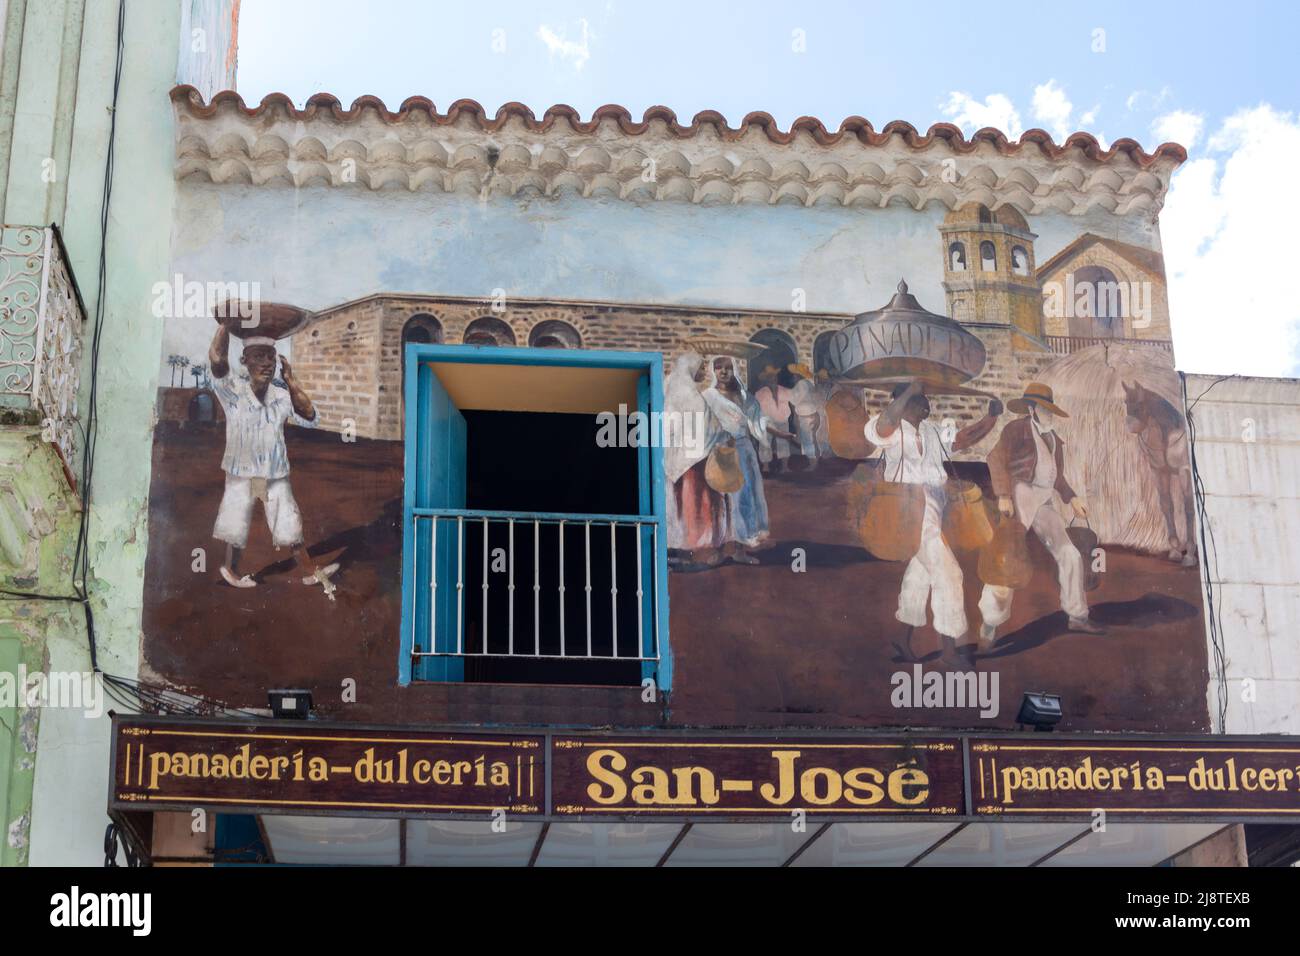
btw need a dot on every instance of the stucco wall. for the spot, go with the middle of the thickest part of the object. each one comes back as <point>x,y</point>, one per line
<point>1248,454</point>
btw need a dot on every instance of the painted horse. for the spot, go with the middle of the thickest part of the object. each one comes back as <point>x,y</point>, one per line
<point>1162,431</point>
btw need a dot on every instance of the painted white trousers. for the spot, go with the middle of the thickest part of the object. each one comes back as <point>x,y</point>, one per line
<point>1034,502</point>
<point>933,576</point>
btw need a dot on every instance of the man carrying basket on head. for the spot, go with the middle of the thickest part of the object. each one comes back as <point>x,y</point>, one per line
<point>1027,467</point>
<point>913,450</point>
<point>256,462</point>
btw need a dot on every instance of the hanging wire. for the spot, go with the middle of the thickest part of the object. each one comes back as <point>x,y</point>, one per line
<point>1209,557</point>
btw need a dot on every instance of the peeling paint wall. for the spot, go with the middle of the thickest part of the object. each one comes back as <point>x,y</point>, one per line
<point>68,814</point>
<point>38,529</point>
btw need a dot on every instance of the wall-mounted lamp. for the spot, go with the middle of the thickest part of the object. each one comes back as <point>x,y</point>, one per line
<point>295,703</point>
<point>1039,710</point>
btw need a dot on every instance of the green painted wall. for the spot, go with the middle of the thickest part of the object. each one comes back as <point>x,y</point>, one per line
<point>54,104</point>
<point>38,529</point>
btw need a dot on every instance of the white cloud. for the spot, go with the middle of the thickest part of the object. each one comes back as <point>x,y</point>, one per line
<point>558,44</point>
<point>1227,234</point>
<point>1180,127</point>
<point>1088,118</point>
<point>970,114</point>
<point>1146,100</point>
<point>1053,109</point>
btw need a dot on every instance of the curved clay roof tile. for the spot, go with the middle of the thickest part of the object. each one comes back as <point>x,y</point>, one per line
<point>856,126</point>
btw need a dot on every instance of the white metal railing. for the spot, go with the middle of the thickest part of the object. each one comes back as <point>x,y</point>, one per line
<point>41,322</point>
<point>469,567</point>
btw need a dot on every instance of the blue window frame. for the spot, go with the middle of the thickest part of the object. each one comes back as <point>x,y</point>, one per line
<point>435,520</point>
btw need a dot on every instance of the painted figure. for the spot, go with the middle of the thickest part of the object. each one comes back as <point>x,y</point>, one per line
<point>825,388</point>
<point>256,461</point>
<point>914,451</point>
<point>1027,467</point>
<point>810,411</point>
<point>1162,431</point>
<point>697,515</point>
<point>738,419</point>
<point>774,398</point>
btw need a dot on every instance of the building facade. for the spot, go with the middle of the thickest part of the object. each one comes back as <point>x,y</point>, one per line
<point>567,504</point>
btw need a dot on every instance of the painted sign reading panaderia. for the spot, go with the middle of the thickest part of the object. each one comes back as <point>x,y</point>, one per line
<point>862,776</point>
<point>1149,777</point>
<point>290,765</point>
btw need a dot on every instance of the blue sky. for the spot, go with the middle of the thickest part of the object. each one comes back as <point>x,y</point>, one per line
<point>1220,78</point>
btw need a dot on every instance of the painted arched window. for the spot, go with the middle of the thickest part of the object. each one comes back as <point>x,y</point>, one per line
<point>554,334</point>
<point>1098,307</point>
<point>779,351</point>
<point>822,352</point>
<point>957,257</point>
<point>422,328</point>
<point>1019,261</point>
<point>488,330</point>
<point>988,257</point>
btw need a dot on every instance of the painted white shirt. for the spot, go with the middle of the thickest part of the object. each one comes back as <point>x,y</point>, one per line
<point>919,452</point>
<point>255,430</point>
<point>1045,467</point>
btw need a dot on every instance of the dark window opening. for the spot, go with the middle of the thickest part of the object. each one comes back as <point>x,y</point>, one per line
<point>545,462</point>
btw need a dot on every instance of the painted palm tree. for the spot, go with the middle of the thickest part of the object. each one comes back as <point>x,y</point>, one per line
<point>200,372</point>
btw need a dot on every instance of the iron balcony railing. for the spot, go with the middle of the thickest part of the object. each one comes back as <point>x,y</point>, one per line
<point>41,322</point>
<point>532,585</point>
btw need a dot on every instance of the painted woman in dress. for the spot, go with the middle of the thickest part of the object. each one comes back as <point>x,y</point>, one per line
<point>738,419</point>
<point>697,515</point>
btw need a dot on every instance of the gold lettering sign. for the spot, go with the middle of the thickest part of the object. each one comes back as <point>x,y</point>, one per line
<point>858,777</point>
<point>283,766</point>
<point>1251,779</point>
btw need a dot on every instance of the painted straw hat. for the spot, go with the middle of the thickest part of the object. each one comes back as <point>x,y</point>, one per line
<point>1036,393</point>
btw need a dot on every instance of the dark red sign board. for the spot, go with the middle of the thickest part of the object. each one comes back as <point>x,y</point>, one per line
<point>751,777</point>
<point>291,766</point>
<point>1148,779</point>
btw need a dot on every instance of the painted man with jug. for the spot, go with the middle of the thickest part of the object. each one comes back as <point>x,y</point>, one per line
<point>914,450</point>
<point>1027,467</point>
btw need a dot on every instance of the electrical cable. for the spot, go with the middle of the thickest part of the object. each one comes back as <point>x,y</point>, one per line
<point>1209,557</point>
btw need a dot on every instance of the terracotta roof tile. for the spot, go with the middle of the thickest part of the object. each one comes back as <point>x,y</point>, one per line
<point>855,127</point>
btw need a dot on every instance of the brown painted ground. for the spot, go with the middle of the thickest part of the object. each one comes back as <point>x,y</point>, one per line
<point>754,646</point>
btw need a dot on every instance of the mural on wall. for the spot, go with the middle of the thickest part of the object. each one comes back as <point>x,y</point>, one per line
<point>995,484</point>
<point>991,494</point>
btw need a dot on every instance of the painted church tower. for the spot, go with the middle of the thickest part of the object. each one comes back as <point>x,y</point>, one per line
<point>989,272</point>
